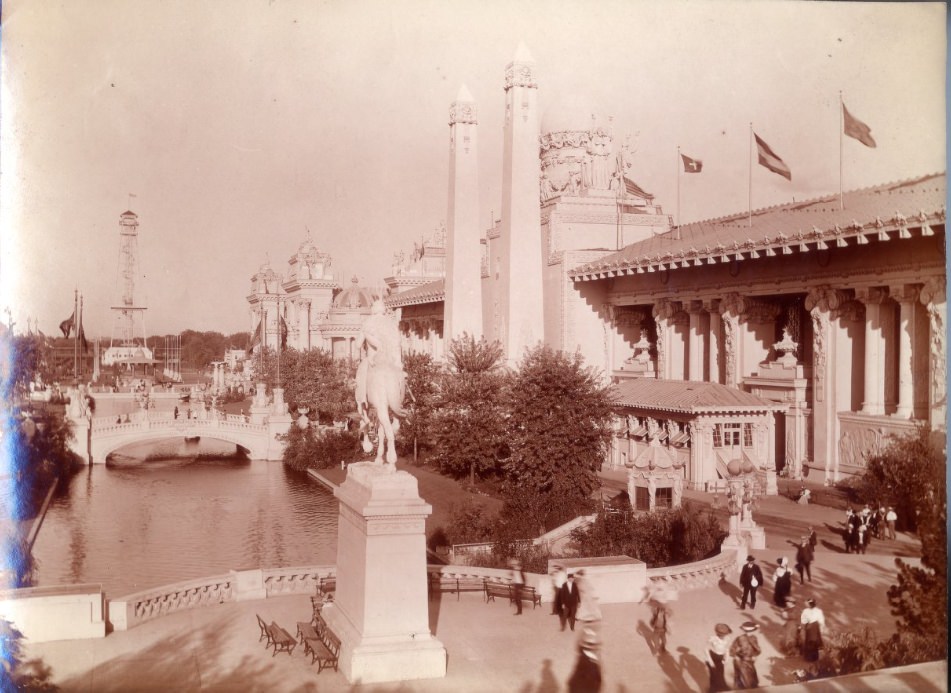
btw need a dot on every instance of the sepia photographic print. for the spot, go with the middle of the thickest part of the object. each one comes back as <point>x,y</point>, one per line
<point>473,346</point>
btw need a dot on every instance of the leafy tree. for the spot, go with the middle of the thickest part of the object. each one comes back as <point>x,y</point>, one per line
<point>311,378</point>
<point>319,448</point>
<point>559,430</point>
<point>910,473</point>
<point>16,672</point>
<point>469,523</point>
<point>422,376</point>
<point>469,430</point>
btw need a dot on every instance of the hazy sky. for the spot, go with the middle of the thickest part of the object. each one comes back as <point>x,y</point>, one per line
<point>236,123</point>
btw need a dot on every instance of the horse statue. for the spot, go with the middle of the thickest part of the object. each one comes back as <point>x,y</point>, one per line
<point>381,384</point>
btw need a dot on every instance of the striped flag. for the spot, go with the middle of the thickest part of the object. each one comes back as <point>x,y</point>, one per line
<point>691,165</point>
<point>856,129</point>
<point>768,158</point>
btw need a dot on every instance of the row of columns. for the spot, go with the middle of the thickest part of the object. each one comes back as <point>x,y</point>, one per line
<point>714,338</point>
<point>423,335</point>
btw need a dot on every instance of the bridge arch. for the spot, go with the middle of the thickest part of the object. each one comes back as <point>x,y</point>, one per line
<point>253,438</point>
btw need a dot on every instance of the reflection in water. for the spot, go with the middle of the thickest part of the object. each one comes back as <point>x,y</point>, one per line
<point>150,518</point>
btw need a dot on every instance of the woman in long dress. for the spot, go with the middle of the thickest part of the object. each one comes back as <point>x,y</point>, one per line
<point>744,650</point>
<point>783,583</point>
<point>716,658</point>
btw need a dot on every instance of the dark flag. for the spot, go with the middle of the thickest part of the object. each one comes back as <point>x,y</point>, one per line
<point>283,334</point>
<point>81,335</point>
<point>67,325</point>
<point>632,188</point>
<point>255,337</point>
<point>856,129</point>
<point>691,165</point>
<point>769,159</point>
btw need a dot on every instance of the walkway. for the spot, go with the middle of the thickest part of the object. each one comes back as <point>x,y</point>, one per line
<point>490,649</point>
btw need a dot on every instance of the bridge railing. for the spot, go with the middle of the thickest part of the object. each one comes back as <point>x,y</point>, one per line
<point>297,580</point>
<point>106,426</point>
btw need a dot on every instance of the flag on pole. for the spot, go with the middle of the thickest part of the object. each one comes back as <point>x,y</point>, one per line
<point>67,325</point>
<point>632,188</point>
<point>767,157</point>
<point>691,165</point>
<point>255,337</point>
<point>283,334</point>
<point>856,129</point>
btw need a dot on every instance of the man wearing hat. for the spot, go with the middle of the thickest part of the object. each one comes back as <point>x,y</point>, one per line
<point>716,656</point>
<point>751,577</point>
<point>744,650</point>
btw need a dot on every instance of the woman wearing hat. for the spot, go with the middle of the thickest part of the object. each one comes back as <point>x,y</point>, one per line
<point>745,650</point>
<point>813,622</point>
<point>716,657</point>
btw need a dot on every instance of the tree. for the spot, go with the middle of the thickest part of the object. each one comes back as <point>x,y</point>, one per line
<point>311,378</point>
<point>910,473</point>
<point>469,424</point>
<point>558,430</point>
<point>422,376</point>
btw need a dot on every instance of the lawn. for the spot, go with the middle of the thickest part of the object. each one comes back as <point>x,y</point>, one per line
<point>439,491</point>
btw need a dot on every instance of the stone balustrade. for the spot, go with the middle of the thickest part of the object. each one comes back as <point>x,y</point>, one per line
<point>299,580</point>
<point>131,610</point>
<point>694,576</point>
<point>134,609</point>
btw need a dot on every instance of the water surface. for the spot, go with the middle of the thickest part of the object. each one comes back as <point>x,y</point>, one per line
<point>152,517</point>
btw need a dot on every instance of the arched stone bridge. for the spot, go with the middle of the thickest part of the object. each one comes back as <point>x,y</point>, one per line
<point>260,440</point>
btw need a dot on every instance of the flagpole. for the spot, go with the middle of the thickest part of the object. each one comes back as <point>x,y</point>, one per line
<point>750,190</point>
<point>75,336</point>
<point>841,128</point>
<point>79,330</point>
<point>677,171</point>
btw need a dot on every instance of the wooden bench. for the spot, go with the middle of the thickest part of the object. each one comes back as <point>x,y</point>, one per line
<point>528,592</point>
<point>327,585</point>
<point>305,630</point>
<point>498,589</point>
<point>439,583</point>
<point>265,633</point>
<point>324,650</point>
<point>282,640</point>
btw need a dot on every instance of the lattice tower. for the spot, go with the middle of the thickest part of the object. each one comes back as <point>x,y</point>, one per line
<point>129,322</point>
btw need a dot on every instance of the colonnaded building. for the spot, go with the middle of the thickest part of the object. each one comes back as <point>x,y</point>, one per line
<point>795,339</point>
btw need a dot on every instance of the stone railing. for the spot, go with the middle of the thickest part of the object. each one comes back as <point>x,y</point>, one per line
<point>299,580</point>
<point>693,576</point>
<point>133,609</point>
<point>466,572</point>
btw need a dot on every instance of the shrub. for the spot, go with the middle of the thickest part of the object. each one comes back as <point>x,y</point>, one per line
<point>313,448</point>
<point>659,538</point>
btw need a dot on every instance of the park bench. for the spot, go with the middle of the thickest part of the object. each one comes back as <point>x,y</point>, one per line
<point>282,640</point>
<point>305,631</point>
<point>324,650</point>
<point>265,633</point>
<point>328,584</point>
<point>439,583</point>
<point>498,589</point>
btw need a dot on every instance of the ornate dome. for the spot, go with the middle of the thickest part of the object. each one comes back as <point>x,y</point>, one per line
<point>355,297</point>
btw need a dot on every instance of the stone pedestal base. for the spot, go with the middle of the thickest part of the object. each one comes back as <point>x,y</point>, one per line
<point>754,535</point>
<point>381,608</point>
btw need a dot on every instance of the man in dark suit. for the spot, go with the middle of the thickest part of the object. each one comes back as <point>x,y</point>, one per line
<point>569,600</point>
<point>751,577</point>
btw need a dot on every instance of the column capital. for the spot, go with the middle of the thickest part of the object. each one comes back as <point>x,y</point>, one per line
<point>933,291</point>
<point>712,305</point>
<point>732,303</point>
<point>904,293</point>
<point>871,295</point>
<point>665,308</point>
<point>825,298</point>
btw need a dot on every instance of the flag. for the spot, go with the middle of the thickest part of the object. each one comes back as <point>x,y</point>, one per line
<point>856,129</point>
<point>255,337</point>
<point>691,165</point>
<point>769,159</point>
<point>632,188</point>
<point>283,334</point>
<point>67,325</point>
<point>81,335</point>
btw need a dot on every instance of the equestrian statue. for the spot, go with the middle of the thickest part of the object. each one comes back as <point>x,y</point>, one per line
<point>381,382</point>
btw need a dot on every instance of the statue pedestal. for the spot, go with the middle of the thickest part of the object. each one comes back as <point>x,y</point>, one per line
<point>381,609</point>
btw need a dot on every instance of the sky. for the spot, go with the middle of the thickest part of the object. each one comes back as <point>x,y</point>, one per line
<point>240,125</point>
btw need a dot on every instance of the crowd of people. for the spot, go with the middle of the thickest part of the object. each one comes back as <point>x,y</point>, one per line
<point>867,524</point>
